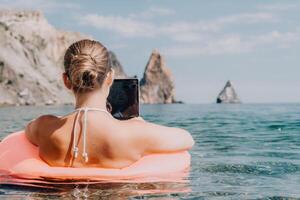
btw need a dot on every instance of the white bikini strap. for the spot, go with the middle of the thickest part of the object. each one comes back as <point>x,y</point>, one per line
<point>85,117</point>
<point>84,153</point>
<point>75,148</point>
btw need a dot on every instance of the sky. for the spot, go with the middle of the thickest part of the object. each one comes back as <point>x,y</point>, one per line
<point>255,44</point>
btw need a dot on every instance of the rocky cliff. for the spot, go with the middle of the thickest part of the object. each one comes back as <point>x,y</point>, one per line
<point>157,85</point>
<point>31,59</point>
<point>228,94</point>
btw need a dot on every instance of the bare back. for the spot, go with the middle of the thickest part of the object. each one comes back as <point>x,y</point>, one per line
<point>111,143</point>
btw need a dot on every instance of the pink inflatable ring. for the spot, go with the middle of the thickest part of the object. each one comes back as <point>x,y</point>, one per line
<point>19,158</point>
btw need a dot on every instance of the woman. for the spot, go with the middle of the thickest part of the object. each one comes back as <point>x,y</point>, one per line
<point>90,136</point>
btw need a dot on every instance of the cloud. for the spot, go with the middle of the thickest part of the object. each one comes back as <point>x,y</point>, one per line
<point>278,7</point>
<point>181,31</point>
<point>194,31</point>
<point>281,39</point>
<point>153,12</point>
<point>197,37</point>
<point>134,25</point>
<point>234,44</point>
<point>248,18</point>
<point>44,5</point>
<point>120,25</point>
<point>211,46</point>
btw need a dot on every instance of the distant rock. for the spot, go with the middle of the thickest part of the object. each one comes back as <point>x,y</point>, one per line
<point>31,59</point>
<point>116,65</point>
<point>228,94</point>
<point>157,85</point>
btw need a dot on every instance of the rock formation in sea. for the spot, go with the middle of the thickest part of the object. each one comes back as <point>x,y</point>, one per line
<point>31,59</point>
<point>228,94</point>
<point>157,84</point>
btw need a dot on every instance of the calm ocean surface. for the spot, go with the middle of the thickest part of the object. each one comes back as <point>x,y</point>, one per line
<point>247,151</point>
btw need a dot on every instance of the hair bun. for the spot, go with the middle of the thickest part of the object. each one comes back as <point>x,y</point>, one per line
<point>83,76</point>
<point>86,64</point>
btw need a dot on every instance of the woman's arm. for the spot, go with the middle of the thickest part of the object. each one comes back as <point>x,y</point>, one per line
<point>160,139</point>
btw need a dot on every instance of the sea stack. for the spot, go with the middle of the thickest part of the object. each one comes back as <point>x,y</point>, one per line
<point>228,94</point>
<point>157,86</point>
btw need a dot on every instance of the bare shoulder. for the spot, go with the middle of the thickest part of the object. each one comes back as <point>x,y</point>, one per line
<point>46,118</point>
<point>32,129</point>
<point>43,121</point>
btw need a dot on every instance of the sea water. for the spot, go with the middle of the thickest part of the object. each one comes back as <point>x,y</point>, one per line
<point>242,151</point>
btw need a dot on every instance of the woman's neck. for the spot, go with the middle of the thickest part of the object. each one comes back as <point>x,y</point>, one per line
<point>93,99</point>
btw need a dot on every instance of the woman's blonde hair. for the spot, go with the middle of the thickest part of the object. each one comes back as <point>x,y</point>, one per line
<point>86,65</point>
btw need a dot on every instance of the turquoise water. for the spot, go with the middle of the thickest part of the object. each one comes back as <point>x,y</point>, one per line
<point>247,151</point>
